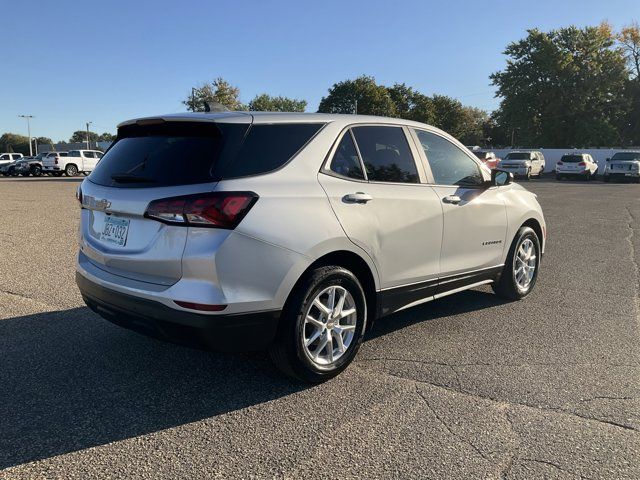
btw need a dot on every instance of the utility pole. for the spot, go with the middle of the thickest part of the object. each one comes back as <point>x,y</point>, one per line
<point>88,123</point>
<point>29,117</point>
<point>193,99</point>
<point>356,108</point>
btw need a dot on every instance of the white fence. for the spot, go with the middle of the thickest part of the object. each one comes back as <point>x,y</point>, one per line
<point>552,155</point>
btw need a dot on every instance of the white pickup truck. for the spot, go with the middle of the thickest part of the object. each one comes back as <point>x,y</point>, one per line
<point>74,162</point>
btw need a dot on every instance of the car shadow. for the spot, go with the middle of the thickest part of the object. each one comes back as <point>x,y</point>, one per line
<point>460,303</point>
<point>70,380</point>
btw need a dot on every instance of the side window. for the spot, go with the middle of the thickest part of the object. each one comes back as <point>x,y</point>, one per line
<point>345,161</point>
<point>386,154</point>
<point>89,155</point>
<point>99,154</point>
<point>5,157</point>
<point>449,164</point>
<point>74,153</point>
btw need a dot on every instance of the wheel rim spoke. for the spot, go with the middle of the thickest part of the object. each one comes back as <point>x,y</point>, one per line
<point>524,265</point>
<point>329,326</point>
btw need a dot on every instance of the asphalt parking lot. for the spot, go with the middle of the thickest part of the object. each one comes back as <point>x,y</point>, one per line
<point>465,387</point>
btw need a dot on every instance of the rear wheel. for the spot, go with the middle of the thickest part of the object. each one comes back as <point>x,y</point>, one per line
<point>558,176</point>
<point>36,170</point>
<point>520,272</point>
<point>322,325</point>
<point>71,170</point>
<point>605,178</point>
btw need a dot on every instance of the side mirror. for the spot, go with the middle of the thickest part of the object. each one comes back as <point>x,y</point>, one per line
<point>607,159</point>
<point>500,178</point>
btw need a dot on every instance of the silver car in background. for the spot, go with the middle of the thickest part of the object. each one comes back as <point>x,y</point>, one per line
<point>623,166</point>
<point>576,165</point>
<point>524,163</point>
<point>294,232</point>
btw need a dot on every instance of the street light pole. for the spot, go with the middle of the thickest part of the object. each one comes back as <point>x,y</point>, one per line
<point>88,123</point>
<point>28,117</point>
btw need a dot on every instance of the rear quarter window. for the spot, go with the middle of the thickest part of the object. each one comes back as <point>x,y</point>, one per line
<point>268,147</point>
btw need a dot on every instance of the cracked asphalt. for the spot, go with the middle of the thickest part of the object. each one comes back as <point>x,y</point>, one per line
<point>468,386</point>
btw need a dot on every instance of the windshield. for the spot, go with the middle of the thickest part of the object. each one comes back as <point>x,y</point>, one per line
<point>572,158</point>
<point>626,156</point>
<point>518,156</point>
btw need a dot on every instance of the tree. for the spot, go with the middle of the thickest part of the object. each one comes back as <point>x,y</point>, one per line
<point>80,136</point>
<point>267,103</point>
<point>106,137</point>
<point>371,99</point>
<point>563,88</point>
<point>219,91</point>
<point>629,38</point>
<point>12,142</point>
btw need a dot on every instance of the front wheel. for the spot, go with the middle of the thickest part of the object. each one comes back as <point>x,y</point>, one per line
<point>36,171</point>
<point>520,272</point>
<point>322,325</point>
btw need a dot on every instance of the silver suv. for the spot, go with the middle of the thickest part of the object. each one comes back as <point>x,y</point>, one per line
<point>623,165</point>
<point>294,232</point>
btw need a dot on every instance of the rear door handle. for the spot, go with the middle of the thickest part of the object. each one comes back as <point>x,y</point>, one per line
<point>454,199</point>
<point>358,197</point>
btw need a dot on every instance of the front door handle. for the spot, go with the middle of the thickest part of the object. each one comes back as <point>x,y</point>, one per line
<point>454,199</point>
<point>358,197</point>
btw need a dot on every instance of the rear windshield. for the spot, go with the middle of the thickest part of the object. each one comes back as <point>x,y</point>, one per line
<point>626,156</point>
<point>518,156</point>
<point>572,158</point>
<point>182,153</point>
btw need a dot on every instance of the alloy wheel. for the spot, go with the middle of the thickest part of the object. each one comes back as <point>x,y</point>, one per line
<point>329,325</point>
<point>524,266</point>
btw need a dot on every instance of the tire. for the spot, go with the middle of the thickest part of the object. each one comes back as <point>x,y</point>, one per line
<point>605,178</point>
<point>507,285</point>
<point>71,170</point>
<point>36,171</point>
<point>57,174</point>
<point>289,353</point>
<point>12,172</point>
<point>558,177</point>
<point>528,176</point>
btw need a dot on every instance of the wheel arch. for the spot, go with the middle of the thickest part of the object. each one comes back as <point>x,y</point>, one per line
<point>355,264</point>
<point>536,226</point>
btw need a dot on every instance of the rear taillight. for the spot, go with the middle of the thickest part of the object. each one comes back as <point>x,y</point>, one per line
<point>55,161</point>
<point>79,195</point>
<point>559,163</point>
<point>213,210</point>
<point>582,164</point>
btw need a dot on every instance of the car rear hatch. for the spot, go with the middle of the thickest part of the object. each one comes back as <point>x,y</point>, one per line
<point>621,166</point>
<point>150,161</point>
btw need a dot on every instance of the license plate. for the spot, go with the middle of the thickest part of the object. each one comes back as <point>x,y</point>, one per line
<point>115,231</point>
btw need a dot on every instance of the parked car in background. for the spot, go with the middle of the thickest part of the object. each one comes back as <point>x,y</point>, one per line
<point>580,165</point>
<point>74,162</point>
<point>52,163</point>
<point>6,158</point>
<point>523,163</point>
<point>488,158</point>
<point>623,165</point>
<point>28,166</point>
<point>294,232</point>
<point>16,167</point>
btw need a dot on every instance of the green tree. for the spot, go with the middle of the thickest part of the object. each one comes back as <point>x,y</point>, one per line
<point>80,136</point>
<point>106,137</point>
<point>267,103</point>
<point>371,98</point>
<point>563,88</point>
<point>12,142</point>
<point>219,91</point>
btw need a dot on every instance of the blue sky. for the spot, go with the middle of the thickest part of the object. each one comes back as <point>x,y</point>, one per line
<point>68,62</point>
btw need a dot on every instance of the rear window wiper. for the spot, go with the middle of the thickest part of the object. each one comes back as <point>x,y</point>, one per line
<point>127,178</point>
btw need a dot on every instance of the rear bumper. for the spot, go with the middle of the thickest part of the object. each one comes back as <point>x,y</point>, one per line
<point>232,332</point>
<point>627,174</point>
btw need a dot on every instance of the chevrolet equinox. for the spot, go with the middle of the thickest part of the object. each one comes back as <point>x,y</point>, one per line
<point>292,233</point>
